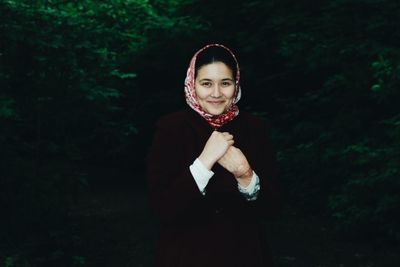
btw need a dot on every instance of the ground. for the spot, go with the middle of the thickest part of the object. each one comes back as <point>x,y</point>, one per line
<point>112,226</point>
<point>119,230</point>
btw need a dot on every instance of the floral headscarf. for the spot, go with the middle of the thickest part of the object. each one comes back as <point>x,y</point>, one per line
<point>216,121</point>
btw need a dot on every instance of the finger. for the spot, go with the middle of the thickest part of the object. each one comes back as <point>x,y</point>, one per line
<point>228,137</point>
<point>231,142</point>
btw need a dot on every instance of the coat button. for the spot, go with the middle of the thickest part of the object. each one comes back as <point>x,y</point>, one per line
<point>217,211</point>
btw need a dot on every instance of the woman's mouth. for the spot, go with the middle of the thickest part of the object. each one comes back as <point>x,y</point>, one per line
<point>216,103</point>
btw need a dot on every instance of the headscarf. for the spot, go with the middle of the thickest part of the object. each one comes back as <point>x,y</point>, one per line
<point>216,121</point>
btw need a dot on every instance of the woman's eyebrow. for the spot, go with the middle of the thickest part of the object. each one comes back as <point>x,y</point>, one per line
<point>205,79</point>
<point>210,80</point>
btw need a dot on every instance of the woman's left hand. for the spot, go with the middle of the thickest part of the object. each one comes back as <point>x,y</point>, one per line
<point>236,163</point>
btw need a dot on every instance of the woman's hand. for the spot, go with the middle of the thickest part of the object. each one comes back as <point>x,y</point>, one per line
<point>236,163</point>
<point>216,146</point>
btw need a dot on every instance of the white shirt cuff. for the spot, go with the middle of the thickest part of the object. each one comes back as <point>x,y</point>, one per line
<point>251,190</point>
<point>201,175</point>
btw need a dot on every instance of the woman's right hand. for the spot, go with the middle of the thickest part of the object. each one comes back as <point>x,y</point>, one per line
<point>216,146</point>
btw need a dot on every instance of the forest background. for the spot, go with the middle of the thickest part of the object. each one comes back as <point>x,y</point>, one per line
<point>82,83</point>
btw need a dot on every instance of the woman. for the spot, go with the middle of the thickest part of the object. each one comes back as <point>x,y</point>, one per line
<point>211,172</point>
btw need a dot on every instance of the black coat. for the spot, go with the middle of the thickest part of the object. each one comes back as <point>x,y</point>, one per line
<point>220,228</point>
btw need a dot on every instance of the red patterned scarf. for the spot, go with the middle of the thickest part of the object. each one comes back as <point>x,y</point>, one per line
<point>216,121</point>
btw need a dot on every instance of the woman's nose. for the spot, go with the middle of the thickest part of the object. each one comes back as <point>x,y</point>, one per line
<point>216,91</point>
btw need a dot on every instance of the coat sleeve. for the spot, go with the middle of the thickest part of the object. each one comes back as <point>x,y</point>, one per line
<point>262,158</point>
<point>173,191</point>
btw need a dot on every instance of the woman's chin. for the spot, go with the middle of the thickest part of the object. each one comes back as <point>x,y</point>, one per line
<point>215,111</point>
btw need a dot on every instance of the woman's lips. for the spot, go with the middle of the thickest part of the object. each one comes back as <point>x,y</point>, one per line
<point>216,102</point>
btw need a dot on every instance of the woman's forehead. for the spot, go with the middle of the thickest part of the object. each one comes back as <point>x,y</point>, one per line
<point>214,71</point>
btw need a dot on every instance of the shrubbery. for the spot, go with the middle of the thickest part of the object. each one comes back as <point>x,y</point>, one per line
<point>81,82</point>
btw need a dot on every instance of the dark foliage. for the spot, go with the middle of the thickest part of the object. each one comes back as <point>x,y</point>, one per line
<point>81,83</point>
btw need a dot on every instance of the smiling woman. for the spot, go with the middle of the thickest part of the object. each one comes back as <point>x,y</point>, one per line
<point>212,172</point>
<point>215,87</point>
<point>217,65</point>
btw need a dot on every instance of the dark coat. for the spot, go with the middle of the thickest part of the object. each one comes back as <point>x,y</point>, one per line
<point>220,228</point>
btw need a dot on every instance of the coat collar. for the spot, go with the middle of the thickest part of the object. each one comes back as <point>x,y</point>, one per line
<point>199,123</point>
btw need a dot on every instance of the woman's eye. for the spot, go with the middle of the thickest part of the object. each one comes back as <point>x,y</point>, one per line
<point>226,83</point>
<point>206,84</point>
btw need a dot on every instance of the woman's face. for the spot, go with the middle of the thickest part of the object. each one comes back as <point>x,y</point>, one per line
<point>215,87</point>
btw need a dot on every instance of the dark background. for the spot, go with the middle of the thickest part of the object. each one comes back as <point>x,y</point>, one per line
<point>82,83</point>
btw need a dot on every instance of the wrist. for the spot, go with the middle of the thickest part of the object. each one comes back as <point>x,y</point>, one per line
<point>246,175</point>
<point>206,162</point>
<point>245,179</point>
